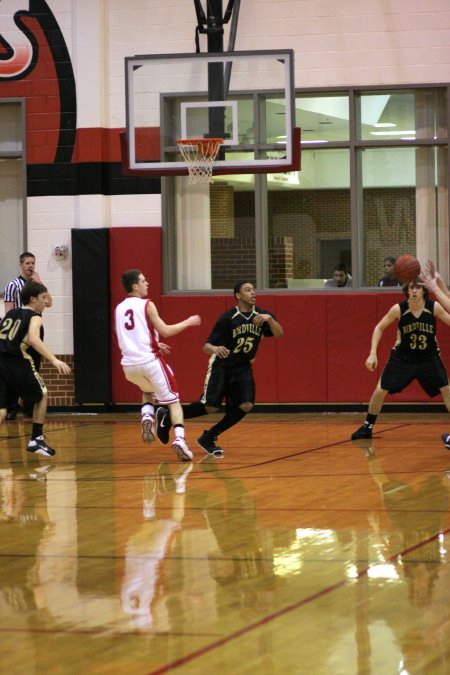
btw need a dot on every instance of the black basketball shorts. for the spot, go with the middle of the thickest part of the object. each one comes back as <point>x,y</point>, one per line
<point>235,385</point>
<point>18,377</point>
<point>430,373</point>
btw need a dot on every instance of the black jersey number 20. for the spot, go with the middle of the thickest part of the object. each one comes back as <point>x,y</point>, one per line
<point>9,329</point>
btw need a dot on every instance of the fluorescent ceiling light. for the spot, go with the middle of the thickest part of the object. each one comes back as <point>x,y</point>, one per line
<point>318,141</point>
<point>384,124</point>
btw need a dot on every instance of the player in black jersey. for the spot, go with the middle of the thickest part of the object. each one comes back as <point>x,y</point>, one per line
<point>232,344</point>
<point>19,333</point>
<point>415,355</point>
<point>436,284</point>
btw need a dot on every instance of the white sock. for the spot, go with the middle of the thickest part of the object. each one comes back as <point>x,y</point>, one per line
<point>148,409</point>
<point>179,431</point>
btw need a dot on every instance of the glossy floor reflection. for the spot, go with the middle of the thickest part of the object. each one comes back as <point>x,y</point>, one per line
<point>298,552</point>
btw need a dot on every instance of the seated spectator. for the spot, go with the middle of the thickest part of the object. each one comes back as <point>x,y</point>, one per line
<point>340,278</point>
<point>389,278</point>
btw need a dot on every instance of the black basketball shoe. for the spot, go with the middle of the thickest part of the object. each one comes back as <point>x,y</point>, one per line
<point>446,440</point>
<point>163,424</point>
<point>364,431</point>
<point>206,442</point>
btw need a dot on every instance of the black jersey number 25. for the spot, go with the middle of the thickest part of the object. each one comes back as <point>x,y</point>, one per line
<point>244,345</point>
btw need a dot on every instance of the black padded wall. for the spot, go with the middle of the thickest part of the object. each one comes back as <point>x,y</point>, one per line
<point>91,315</point>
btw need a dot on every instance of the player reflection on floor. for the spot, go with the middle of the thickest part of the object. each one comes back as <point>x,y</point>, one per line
<point>150,545</point>
<point>416,511</point>
<point>243,565</point>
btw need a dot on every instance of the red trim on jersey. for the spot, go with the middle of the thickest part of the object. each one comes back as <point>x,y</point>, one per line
<point>170,378</point>
<point>154,344</point>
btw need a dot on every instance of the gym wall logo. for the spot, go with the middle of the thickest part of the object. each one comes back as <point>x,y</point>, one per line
<point>35,64</point>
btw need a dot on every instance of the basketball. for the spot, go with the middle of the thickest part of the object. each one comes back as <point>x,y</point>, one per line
<point>406,268</point>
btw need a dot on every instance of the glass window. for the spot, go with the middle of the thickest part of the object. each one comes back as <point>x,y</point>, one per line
<point>403,115</point>
<point>11,190</point>
<point>215,232</point>
<point>361,196</point>
<point>309,225</point>
<point>404,193</point>
<point>11,127</point>
<point>323,118</point>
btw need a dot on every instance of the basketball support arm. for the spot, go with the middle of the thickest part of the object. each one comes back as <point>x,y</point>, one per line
<point>211,25</point>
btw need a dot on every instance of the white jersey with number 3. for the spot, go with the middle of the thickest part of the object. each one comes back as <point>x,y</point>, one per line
<point>138,339</point>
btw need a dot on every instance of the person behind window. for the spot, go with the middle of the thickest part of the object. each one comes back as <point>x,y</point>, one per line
<point>340,278</point>
<point>389,278</point>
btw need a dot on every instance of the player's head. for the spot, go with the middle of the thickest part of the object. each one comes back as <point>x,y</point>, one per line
<point>244,291</point>
<point>33,289</point>
<point>340,274</point>
<point>27,264</point>
<point>129,278</point>
<point>408,288</point>
<point>134,282</point>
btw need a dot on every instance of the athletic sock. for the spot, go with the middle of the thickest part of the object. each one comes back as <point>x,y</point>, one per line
<point>37,430</point>
<point>148,409</point>
<point>231,418</point>
<point>370,419</point>
<point>179,431</point>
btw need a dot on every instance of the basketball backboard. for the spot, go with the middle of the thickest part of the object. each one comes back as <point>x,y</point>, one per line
<point>246,98</point>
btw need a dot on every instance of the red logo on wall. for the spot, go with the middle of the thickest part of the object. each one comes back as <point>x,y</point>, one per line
<point>35,65</point>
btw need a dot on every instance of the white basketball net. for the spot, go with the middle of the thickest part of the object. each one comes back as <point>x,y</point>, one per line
<point>199,155</point>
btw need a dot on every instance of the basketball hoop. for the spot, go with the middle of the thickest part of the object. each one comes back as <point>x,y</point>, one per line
<point>199,155</point>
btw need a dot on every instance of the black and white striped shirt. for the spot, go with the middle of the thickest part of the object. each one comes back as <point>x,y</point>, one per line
<point>13,291</point>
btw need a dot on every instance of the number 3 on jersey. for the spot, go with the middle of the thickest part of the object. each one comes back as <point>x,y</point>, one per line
<point>129,323</point>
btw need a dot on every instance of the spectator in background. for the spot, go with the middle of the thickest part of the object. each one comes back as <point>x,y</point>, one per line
<point>389,278</point>
<point>340,279</point>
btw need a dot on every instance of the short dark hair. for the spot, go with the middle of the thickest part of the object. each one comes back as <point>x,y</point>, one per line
<point>416,283</point>
<point>237,287</point>
<point>31,290</point>
<point>26,254</point>
<point>129,278</point>
<point>390,258</point>
<point>340,267</point>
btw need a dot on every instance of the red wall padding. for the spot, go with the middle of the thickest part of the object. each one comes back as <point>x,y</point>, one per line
<point>130,248</point>
<point>320,358</point>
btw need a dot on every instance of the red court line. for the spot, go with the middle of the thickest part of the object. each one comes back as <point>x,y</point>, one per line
<point>286,610</point>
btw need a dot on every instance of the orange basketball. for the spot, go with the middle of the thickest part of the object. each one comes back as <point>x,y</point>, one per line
<point>406,268</point>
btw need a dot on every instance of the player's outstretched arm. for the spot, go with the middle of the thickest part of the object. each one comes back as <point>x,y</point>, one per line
<point>35,341</point>
<point>392,315</point>
<point>169,330</point>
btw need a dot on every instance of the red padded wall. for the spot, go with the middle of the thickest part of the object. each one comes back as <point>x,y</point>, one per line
<point>140,248</point>
<point>320,358</point>
<point>302,373</point>
<point>187,359</point>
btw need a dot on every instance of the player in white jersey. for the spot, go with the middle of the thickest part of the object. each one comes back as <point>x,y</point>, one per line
<point>138,327</point>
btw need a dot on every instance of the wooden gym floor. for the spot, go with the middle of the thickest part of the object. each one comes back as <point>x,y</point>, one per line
<point>300,552</point>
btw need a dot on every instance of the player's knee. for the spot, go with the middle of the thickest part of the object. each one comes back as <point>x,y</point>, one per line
<point>246,407</point>
<point>211,409</point>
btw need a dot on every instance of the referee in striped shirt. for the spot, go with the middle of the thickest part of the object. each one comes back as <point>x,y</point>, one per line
<point>13,299</point>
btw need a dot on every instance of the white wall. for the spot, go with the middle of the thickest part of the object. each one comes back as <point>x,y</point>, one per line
<point>336,42</point>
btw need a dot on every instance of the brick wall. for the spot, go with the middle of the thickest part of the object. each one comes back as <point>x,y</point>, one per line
<point>308,216</point>
<point>60,387</point>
